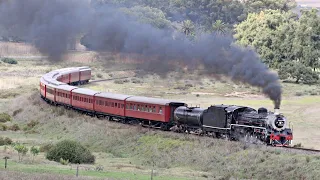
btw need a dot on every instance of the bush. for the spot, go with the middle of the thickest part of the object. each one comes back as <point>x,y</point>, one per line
<point>119,81</point>
<point>14,127</point>
<point>4,117</point>
<point>32,124</point>
<point>298,145</point>
<point>64,162</point>
<point>9,61</point>
<point>136,81</point>
<point>188,85</point>
<point>5,141</point>
<point>45,147</point>
<point>72,151</point>
<point>16,112</point>
<point>298,71</point>
<point>99,75</point>
<point>3,127</point>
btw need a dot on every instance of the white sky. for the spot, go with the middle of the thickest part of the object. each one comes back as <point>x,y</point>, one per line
<point>313,3</point>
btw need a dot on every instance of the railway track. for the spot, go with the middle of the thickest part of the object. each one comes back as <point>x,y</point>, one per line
<point>302,149</point>
<point>110,79</point>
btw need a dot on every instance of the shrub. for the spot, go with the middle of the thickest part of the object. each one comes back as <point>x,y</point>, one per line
<point>188,85</point>
<point>298,145</point>
<point>99,75</point>
<point>64,162</point>
<point>299,94</point>
<point>45,147</point>
<point>9,61</point>
<point>15,112</point>
<point>35,151</point>
<point>3,127</point>
<point>298,71</point>
<point>70,150</point>
<point>5,141</point>
<point>136,81</point>
<point>22,150</point>
<point>4,117</point>
<point>118,81</point>
<point>14,127</point>
<point>32,123</point>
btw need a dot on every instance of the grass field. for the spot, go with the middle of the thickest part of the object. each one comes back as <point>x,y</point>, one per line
<point>130,152</point>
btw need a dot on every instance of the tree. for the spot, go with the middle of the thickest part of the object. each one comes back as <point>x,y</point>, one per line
<point>201,12</point>
<point>297,71</point>
<point>307,39</point>
<point>261,5</point>
<point>219,27</point>
<point>187,27</point>
<point>35,151</point>
<point>271,32</point>
<point>22,150</point>
<point>148,15</point>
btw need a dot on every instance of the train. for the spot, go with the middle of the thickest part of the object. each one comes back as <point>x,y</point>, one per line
<point>240,123</point>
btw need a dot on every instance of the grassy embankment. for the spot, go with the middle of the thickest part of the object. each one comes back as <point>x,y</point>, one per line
<point>124,150</point>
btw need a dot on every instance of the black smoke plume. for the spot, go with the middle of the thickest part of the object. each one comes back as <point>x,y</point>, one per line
<point>52,24</point>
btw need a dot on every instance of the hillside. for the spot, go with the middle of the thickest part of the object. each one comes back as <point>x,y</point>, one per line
<point>129,152</point>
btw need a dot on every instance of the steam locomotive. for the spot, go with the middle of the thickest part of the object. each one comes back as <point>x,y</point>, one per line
<point>235,123</point>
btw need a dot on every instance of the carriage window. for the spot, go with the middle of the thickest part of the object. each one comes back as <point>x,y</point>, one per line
<point>154,109</point>
<point>112,104</point>
<point>97,102</point>
<point>146,109</point>
<point>134,107</point>
<point>122,106</point>
<point>160,110</point>
<point>138,107</point>
<point>150,109</point>
<point>116,104</point>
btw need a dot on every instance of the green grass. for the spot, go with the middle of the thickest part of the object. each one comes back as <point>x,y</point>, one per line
<point>65,170</point>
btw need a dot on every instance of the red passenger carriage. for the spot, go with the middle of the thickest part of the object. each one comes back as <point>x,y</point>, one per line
<point>110,104</point>
<point>152,109</point>
<point>82,99</point>
<point>64,94</point>
<point>51,93</point>
<point>85,75</point>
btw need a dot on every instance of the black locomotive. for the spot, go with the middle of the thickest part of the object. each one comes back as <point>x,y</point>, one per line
<point>235,123</point>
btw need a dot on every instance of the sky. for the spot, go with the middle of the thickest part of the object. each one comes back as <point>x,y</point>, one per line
<point>311,3</point>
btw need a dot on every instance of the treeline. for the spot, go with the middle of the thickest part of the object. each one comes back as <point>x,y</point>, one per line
<point>286,39</point>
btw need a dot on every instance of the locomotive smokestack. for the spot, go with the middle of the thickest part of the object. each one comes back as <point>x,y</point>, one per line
<point>276,111</point>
